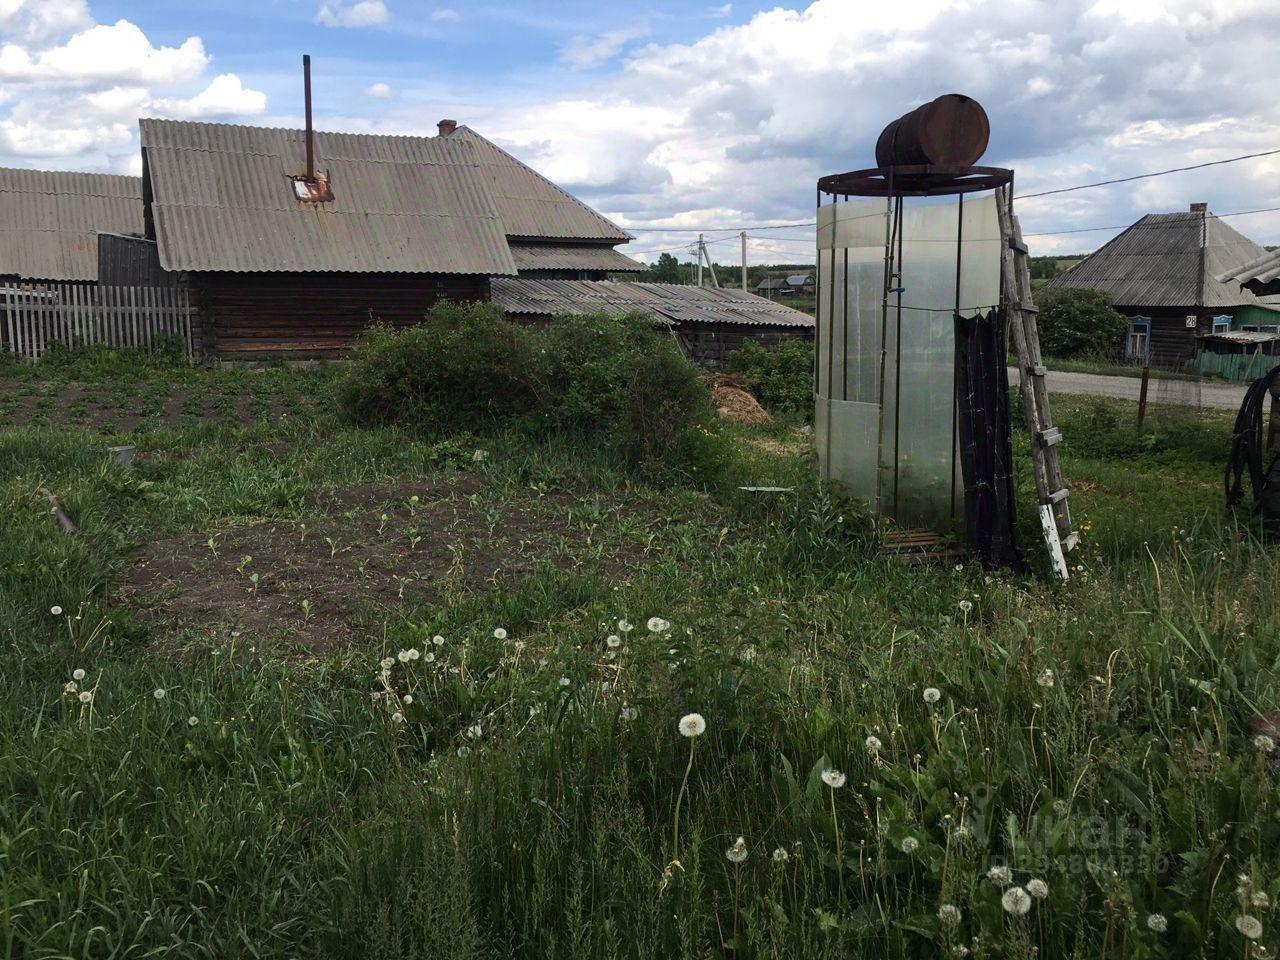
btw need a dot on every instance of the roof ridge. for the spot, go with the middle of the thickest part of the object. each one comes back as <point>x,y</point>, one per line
<point>252,126</point>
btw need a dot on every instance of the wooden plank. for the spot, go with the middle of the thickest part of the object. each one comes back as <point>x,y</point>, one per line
<point>1049,437</point>
<point>1057,496</point>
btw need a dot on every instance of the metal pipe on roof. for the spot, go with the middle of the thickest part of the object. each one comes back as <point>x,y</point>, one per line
<point>311,133</point>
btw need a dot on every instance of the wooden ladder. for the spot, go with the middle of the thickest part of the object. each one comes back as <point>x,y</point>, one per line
<point>1015,291</point>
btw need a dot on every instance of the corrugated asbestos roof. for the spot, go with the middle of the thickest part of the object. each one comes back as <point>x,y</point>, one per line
<point>224,200</point>
<point>1168,260</point>
<point>531,205</point>
<point>667,301</point>
<point>570,256</point>
<point>49,221</point>
<point>1261,274</point>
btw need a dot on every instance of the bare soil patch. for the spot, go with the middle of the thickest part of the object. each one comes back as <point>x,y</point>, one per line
<point>371,548</point>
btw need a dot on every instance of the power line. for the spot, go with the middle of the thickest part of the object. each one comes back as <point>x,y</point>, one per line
<point>1150,226</point>
<point>1144,176</point>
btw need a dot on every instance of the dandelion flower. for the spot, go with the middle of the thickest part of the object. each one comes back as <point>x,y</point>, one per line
<point>1264,743</point>
<point>658,625</point>
<point>932,694</point>
<point>833,778</point>
<point>1038,889</point>
<point>464,751</point>
<point>873,744</point>
<point>1250,926</point>
<point>909,845</point>
<point>86,696</point>
<point>949,914</point>
<point>1157,922</point>
<point>565,681</point>
<point>438,640</point>
<point>630,713</point>
<point>56,611</point>
<point>1061,808</point>
<point>966,606</point>
<point>387,663</point>
<point>738,852</point>
<point>625,626</point>
<point>1046,678</point>
<point>500,634</point>
<point>613,641</point>
<point>692,725</point>
<point>1000,875</point>
<point>429,658</point>
<point>158,693</point>
<point>397,717</point>
<point>475,731</point>
<point>192,721</point>
<point>780,855</point>
<point>1016,901</point>
<point>403,656</point>
<point>77,674</point>
<point>1260,901</point>
<point>407,699</point>
<point>414,653</point>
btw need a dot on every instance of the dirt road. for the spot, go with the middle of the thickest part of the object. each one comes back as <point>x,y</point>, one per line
<point>1225,396</point>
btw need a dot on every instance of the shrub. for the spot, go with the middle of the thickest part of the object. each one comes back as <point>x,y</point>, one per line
<point>466,368</point>
<point>782,377</point>
<point>1077,322</point>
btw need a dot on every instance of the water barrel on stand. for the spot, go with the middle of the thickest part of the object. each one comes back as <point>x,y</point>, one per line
<point>951,131</point>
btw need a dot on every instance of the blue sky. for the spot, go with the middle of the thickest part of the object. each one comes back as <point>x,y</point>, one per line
<point>676,114</point>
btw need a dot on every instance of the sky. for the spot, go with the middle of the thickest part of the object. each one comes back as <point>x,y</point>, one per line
<point>691,114</point>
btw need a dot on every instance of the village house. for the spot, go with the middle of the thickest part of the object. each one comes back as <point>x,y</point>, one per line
<point>1166,273</point>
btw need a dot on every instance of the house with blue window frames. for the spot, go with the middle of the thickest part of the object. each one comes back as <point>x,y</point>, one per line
<point>1170,274</point>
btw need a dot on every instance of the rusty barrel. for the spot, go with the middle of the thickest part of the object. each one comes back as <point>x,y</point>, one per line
<point>951,131</point>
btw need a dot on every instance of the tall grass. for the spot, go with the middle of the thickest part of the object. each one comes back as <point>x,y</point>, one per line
<point>1096,736</point>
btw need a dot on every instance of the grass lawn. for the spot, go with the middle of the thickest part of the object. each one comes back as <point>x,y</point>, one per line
<point>298,689</point>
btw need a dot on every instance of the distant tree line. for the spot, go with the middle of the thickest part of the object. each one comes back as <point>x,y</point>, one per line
<point>668,269</point>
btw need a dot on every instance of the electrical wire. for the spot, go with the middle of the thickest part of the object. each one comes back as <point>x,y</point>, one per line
<point>1145,176</point>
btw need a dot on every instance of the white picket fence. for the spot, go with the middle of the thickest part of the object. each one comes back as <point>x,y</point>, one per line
<point>89,315</point>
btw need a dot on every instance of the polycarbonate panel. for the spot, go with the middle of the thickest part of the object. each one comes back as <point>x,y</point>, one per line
<point>903,421</point>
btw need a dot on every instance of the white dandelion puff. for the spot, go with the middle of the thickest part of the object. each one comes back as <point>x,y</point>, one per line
<point>407,699</point>
<point>1046,678</point>
<point>1038,889</point>
<point>565,681</point>
<point>949,914</point>
<point>1250,926</point>
<point>1016,901</point>
<point>613,641</point>
<point>70,687</point>
<point>1000,875</point>
<point>873,744</point>
<point>658,625</point>
<point>780,855</point>
<point>932,694</point>
<point>630,713</point>
<point>56,611</point>
<point>738,852</point>
<point>1157,922</point>
<point>909,845</point>
<point>1260,901</point>
<point>386,663</point>
<point>158,693</point>
<point>429,657</point>
<point>192,721</point>
<point>438,640</point>
<point>475,731</point>
<point>625,626</point>
<point>692,725</point>
<point>833,778</point>
<point>1061,808</point>
<point>500,634</point>
<point>1264,743</point>
<point>77,674</point>
<point>403,656</point>
<point>414,653</point>
<point>966,606</point>
<point>86,696</point>
<point>397,717</point>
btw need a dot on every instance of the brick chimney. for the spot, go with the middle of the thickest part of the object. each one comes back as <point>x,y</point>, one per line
<point>1199,208</point>
<point>447,127</point>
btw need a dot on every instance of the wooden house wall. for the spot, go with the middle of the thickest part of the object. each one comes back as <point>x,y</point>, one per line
<point>712,343</point>
<point>306,315</point>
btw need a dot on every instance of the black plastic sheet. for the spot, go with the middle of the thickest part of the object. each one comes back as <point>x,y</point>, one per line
<point>986,444</point>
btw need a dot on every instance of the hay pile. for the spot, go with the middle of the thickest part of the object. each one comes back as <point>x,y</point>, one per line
<point>733,400</point>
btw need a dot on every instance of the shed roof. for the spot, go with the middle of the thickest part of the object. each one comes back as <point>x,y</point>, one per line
<point>666,301</point>
<point>1261,275</point>
<point>772,283</point>
<point>49,221</point>
<point>223,200</point>
<point>1168,260</point>
<point>532,206</point>
<point>571,256</point>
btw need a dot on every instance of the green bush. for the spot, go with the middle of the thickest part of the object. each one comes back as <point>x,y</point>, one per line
<point>466,368</point>
<point>782,378</point>
<point>1076,322</point>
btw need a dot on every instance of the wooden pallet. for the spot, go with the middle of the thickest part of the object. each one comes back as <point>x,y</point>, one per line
<point>1015,292</point>
<point>914,547</point>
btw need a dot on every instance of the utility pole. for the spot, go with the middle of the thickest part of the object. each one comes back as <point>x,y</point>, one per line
<point>744,261</point>
<point>711,266</point>
<point>699,259</point>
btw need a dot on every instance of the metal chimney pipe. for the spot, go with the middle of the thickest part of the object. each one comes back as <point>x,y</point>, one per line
<point>306,94</point>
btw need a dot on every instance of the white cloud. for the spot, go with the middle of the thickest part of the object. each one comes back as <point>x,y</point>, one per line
<point>362,13</point>
<point>445,13</point>
<point>721,11</point>
<point>379,91</point>
<point>71,91</point>
<point>584,52</point>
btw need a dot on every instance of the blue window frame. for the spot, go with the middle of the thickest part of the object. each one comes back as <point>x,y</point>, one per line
<point>1222,324</point>
<point>1137,345</point>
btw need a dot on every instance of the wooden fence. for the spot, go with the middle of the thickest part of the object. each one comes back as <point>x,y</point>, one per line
<point>89,315</point>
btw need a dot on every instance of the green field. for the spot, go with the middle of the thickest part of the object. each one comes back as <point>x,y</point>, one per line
<point>269,753</point>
